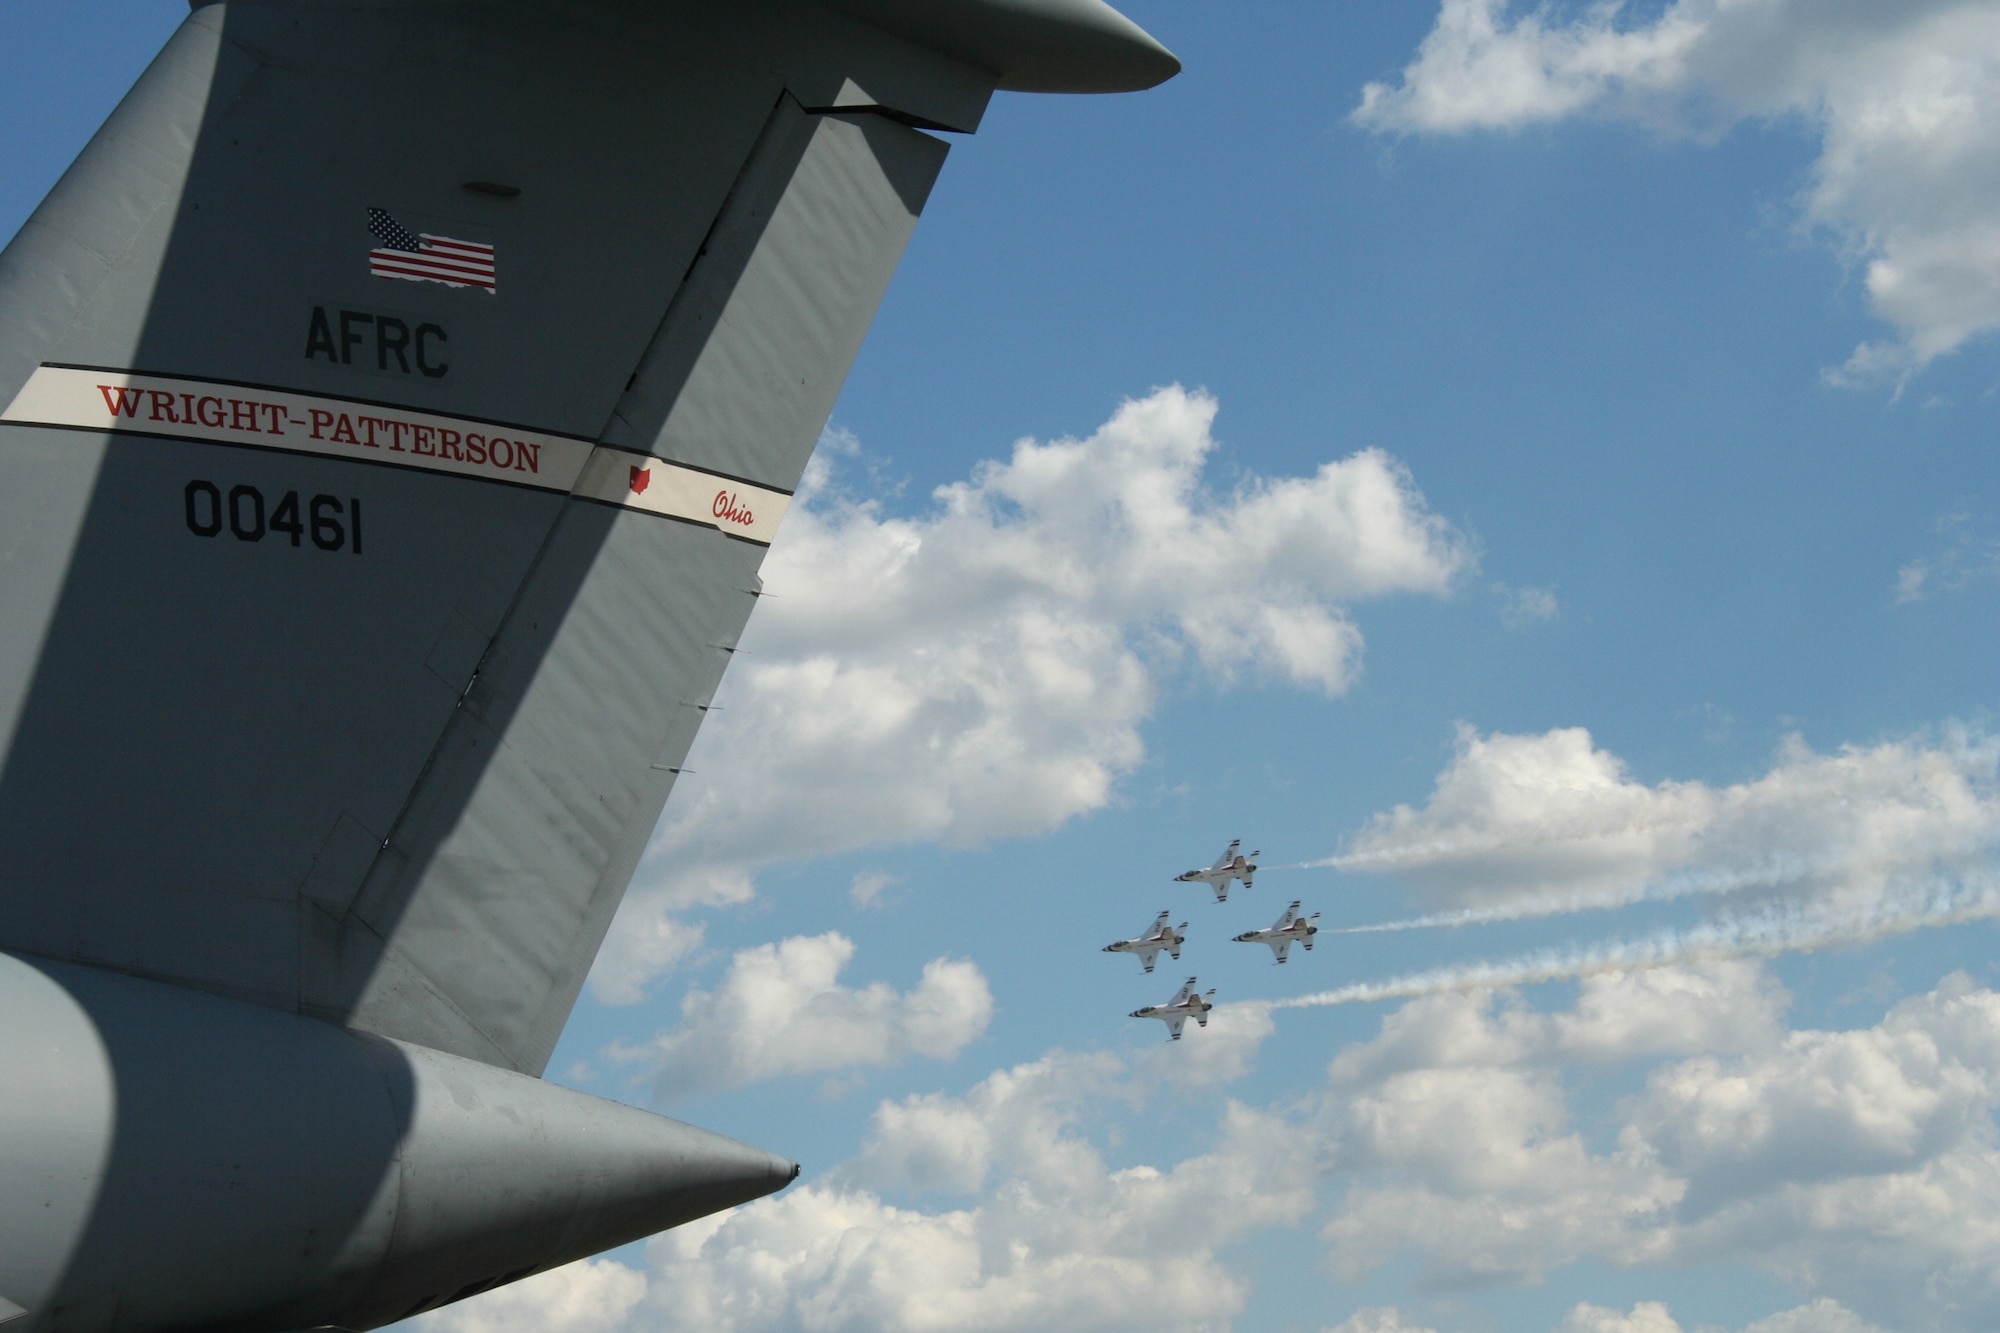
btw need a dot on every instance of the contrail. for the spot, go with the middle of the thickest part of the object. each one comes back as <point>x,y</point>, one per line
<point>1780,930</point>
<point>1772,872</point>
<point>1681,884</point>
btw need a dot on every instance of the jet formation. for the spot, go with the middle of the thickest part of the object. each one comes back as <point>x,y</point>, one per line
<point>1230,867</point>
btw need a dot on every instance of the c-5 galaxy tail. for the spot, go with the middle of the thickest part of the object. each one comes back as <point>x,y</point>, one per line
<point>399,399</point>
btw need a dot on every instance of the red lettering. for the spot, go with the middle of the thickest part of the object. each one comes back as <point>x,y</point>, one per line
<point>242,415</point>
<point>448,443</point>
<point>371,423</point>
<point>527,457</point>
<point>396,438</point>
<point>202,409</point>
<point>726,508</point>
<point>122,401</point>
<point>278,414</point>
<point>423,440</point>
<point>163,405</point>
<point>475,448</point>
<point>320,421</point>
<point>494,446</point>
<point>187,408</point>
<point>344,432</point>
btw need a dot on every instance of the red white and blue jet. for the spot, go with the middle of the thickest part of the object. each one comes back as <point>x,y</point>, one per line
<point>1287,928</point>
<point>1157,936</point>
<point>1175,1013</point>
<point>1232,864</point>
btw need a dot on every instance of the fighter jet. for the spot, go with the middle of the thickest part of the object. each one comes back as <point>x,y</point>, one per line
<point>1230,865</point>
<point>1156,937</point>
<point>1291,926</point>
<point>1185,1005</point>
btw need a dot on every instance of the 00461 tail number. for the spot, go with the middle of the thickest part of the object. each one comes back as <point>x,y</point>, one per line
<point>332,523</point>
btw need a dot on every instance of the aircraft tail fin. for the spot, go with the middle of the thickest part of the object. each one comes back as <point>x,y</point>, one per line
<point>398,403</point>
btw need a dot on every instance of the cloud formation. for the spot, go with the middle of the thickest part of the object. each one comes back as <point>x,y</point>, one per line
<point>1854,1165</point>
<point>1822,850</point>
<point>1903,100</point>
<point>1520,826</point>
<point>1053,1239</point>
<point>782,1010</point>
<point>982,669</point>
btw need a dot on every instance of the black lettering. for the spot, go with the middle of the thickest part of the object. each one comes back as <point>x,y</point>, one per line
<point>246,532</point>
<point>349,339</point>
<point>385,344</point>
<point>425,332</point>
<point>328,535</point>
<point>199,526</point>
<point>285,518</point>
<point>319,337</point>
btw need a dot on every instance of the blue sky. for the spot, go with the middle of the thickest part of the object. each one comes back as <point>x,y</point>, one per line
<point>1639,612</point>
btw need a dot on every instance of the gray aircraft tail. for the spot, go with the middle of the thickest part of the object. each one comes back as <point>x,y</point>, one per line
<point>397,400</point>
<point>400,399</point>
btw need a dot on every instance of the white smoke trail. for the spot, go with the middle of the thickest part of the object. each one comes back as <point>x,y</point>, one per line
<point>1786,929</point>
<point>1773,873</point>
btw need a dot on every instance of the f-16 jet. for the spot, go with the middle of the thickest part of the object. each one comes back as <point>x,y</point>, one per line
<point>1176,1012</point>
<point>1287,928</point>
<point>1157,936</point>
<point>1232,864</point>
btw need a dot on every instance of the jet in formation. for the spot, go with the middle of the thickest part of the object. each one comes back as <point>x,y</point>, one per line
<point>1176,1012</point>
<point>1231,865</point>
<point>1156,937</point>
<point>397,402</point>
<point>1286,929</point>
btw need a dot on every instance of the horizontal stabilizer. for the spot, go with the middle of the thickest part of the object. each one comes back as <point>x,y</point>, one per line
<point>219,1164</point>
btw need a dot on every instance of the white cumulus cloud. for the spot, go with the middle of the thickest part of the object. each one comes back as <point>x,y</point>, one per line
<point>1855,1165</point>
<point>1378,1319</point>
<point>1524,825</point>
<point>589,1296</point>
<point>782,1010</point>
<point>982,669</point>
<point>1644,1317</point>
<point>1053,1237</point>
<point>1903,99</point>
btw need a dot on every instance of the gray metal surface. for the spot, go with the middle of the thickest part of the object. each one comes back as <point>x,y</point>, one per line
<point>327,795</point>
<point>183,1160</point>
<point>353,628</point>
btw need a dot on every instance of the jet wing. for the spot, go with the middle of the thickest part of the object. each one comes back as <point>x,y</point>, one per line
<point>396,404</point>
<point>1175,1022</point>
<point>1280,947</point>
<point>1148,955</point>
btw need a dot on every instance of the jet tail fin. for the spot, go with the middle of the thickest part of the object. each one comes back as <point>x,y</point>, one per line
<point>382,505</point>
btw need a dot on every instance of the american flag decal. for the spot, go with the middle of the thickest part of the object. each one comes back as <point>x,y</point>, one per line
<point>413,258</point>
